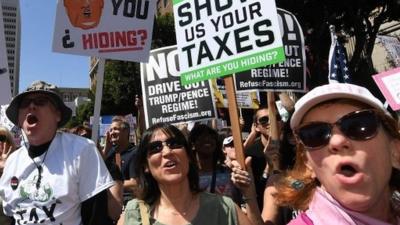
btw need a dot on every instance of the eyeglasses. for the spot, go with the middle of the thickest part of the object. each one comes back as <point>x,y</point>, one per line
<point>38,101</point>
<point>359,125</point>
<point>157,146</point>
<point>3,138</point>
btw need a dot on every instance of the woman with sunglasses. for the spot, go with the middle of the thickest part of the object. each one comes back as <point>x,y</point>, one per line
<point>7,146</point>
<point>347,146</point>
<point>169,180</point>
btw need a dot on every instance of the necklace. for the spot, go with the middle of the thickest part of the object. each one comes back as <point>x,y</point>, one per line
<point>188,206</point>
<point>40,170</point>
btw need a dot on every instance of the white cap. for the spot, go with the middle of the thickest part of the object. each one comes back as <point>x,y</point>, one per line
<point>332,91</point>
<point>227,140</point>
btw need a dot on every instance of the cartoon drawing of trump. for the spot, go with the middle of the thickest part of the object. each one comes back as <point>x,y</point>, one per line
<point>85,14</point>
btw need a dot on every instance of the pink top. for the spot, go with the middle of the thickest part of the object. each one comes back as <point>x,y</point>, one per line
<point>325,210</point>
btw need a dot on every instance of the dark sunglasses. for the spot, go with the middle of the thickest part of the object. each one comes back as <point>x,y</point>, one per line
<point>359,125</point>
<point>157,146</point>
<point>265,119</point>
<point>38,101</point>
<point>3,138</point>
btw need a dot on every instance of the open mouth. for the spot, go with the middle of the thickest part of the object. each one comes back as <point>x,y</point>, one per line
<point>347,170</point>
<point>170,164</point>
<point>87,12</point>
<point>31,119</point>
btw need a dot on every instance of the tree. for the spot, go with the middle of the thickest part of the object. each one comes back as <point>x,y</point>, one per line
<point>359,20</point>
<point>122,78</point>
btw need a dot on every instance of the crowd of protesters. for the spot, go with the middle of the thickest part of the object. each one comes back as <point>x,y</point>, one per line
<point>335,161</point>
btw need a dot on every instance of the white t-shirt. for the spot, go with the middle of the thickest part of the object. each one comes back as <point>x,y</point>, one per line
<point>73,171</point>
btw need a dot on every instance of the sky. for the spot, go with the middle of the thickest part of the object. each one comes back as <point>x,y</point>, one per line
<point>38,61</point>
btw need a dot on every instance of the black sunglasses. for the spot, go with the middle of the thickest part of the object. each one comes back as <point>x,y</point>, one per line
<point>359,125</point>
<point>263,120</point>
<point>3,138</point>
<point>38,101</point>
<point>157,146</point>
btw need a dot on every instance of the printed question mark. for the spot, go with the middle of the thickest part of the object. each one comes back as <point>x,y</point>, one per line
<point>143,36</point>
<point>275,53</point>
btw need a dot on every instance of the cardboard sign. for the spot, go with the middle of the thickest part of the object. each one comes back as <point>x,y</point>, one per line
<point>389,84</point>
<point>113,29</point>
<point>288,75</point>
<point>5,85</point>
<point>218,38</point>
<point>164,99</point>
<point>248,100</point>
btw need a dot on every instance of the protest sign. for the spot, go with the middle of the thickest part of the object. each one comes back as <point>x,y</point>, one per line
<point>5,85</point>
<point>218,38</point>
<point>5,122</point>
<point>116,29</point>
<point>389,84</point>
<point>288,75</point>
<point>164,99</point>
<point>249,100</point>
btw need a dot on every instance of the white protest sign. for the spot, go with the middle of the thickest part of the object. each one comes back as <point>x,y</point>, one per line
<point>289,75</point>
<point>217,38</point>
<point>114,29</point>
<point>5,87</point>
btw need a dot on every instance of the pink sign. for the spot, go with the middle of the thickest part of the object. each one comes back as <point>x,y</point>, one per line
<point>389,84</point>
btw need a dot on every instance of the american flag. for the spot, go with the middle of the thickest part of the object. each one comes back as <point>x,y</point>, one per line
<point>338,69</point>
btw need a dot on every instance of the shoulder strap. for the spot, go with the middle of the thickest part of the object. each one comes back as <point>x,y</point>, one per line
<point>144,214</point>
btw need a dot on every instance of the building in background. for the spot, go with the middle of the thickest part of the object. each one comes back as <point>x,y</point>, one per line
<point>386,54</point>
<point>74,97</point>
<point>12,34</point>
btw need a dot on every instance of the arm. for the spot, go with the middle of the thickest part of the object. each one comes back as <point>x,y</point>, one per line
<point>115,200</point>
<point>286,101</point>
<point>270,210</point>
<point>107,146</point>
<point>252,136</point>
<point>245,182</point>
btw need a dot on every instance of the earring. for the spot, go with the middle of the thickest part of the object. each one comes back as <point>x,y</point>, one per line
<point>297,184</point>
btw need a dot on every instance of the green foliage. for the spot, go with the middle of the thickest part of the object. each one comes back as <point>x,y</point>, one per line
<point>121,83</point>
<point>164,31</point>
<point>122,79</point>
<point>357,20</point>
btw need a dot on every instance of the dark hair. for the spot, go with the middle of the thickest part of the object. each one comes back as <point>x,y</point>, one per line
<point>122,121</point>
<point>201,129</point>
<point>149,186</point>
<point>262,107</point>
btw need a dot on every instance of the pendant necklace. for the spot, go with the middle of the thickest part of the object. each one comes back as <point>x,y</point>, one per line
<point>40,170</point>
